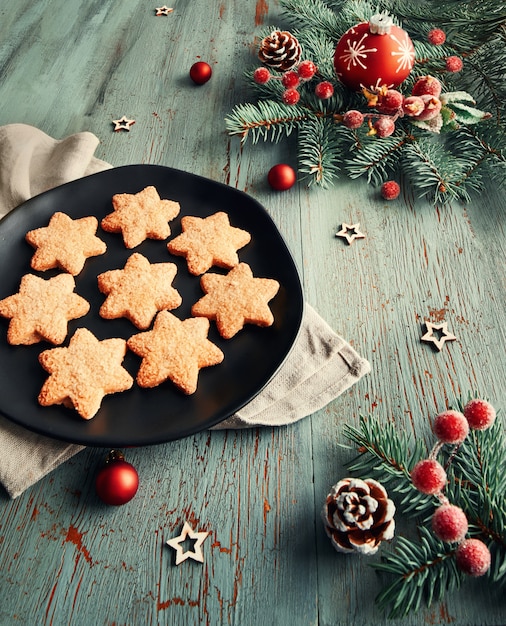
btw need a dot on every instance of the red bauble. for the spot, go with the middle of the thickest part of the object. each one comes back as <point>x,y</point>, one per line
<point>117,481</point>
<point>200,72</point>
<point>373,54</point>
<point>281,177</point>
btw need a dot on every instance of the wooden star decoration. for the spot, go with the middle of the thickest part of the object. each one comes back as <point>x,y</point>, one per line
<point>438,341</point>
<point>163,10</point>
<point>188,533</point>
<point>350,232</point>
<point>123,124</point>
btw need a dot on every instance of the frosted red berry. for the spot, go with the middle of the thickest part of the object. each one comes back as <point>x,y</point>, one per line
<point>451,427</point>
<point>392,99</point>
<point>413,106</point>
<point>324,90</point>
<point>428,476</point>
<point>290,79</point>
<point>384,126</point>
<point>436,37</point>
<point>306,70</point>
<point>353,119</point>
<point>261,75</point>
<point>291,96</point>
<point>449,523</point>
<point>427,85</point>
<point>479,414</point>
<point>432,107</point>
<point>454,64</point>
<point>390,190</point>
<point>473,557</point>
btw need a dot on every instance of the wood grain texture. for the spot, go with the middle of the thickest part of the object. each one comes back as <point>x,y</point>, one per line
<point>67,559</point>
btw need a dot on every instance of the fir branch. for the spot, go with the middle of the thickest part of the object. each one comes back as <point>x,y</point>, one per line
<point>424,571</point>
<point>377,158</point>
<point>319,142</point>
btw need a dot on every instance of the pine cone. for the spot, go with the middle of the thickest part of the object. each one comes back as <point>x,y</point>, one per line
<point>358,515</point>
<point>280,51</point>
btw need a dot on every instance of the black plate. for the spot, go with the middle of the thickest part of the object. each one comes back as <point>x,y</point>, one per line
<point>141,416</point>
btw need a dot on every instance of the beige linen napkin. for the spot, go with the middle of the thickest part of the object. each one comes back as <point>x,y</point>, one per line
<point>319,368</point>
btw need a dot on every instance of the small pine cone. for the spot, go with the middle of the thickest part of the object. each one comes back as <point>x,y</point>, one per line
<point>280,50</point>
<point>358,516</point>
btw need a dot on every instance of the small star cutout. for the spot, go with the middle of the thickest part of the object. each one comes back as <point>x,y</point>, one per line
<point>438,341</point>
<point>163,10</point>
<point>196,553</point>
<point>350,232</point>
<point>123,124</point>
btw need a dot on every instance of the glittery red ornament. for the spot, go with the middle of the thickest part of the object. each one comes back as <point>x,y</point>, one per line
<point>200,72</point>
<point>281,177</point>
<point>117,481</point>
<point>373,54</point>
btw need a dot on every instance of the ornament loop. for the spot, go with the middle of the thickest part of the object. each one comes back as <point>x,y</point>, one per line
<point>380,24</point>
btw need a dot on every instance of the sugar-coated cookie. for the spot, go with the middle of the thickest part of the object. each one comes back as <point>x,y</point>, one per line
<point>236,299</point>
<point>65,243</point>
<point>139,290</point>
<point>42,309</point>
<point>82,374</point>
<point>208,241</point>
<point>140,216</point>
<point>174,350</point>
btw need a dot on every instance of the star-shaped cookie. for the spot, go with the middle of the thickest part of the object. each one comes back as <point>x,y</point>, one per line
<point>139,290</point>
<point>41,309</point>
<point>236,299</point>
<point>174,350</point>
<point>65,243</point>
<point>82,374</point>
<point>140,216</point>
<point>208,241</point>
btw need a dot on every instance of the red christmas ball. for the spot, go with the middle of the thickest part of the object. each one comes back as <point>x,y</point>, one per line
<point>117,481</point>
<point>200,72</point>
<point>373,54</point>
<point>281,177</point>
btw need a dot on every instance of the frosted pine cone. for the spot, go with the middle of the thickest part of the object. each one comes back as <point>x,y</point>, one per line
<point>358,515</point>
<point>280,50</point>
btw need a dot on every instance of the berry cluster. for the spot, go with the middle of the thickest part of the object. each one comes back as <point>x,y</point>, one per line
<point>293,78</point>
<point>449,522</point>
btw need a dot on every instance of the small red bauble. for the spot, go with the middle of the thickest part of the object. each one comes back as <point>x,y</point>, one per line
<point>281,177</point>
<point>290,79</point>
<point>390,190</point>
<point>480,414</point>
<point>117,481</point>
<point>428,476</point>
<point>449,523</point>
<point>473,557</point>
<point>391,101</point>
<point>200,72</point>
<point>374,53</point>
<point>451,427</point>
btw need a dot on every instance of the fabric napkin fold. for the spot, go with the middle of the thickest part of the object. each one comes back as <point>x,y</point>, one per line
<point>320,367</point>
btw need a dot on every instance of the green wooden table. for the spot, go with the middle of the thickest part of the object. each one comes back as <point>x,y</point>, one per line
<point>65,558</point>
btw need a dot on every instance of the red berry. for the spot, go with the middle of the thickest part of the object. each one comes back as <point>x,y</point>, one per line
<point>384,126</point>
<point>428,476</point>
<point>200,72</point>
<point>413,106</point>
<point>353,119</point>
<point>306,70</point>
<point>451,427</point>
<point>449,523</point>
<point>290,79</point>
<point>324,90</point>
<point>291,96</point>
<point>473,557</point>
<point>392,100</point>
<point>436,37</point>
<point>454,64</point>
<point>427,85</point>
<point>432,107</point>
<point>480,414</point>
<point>261,75</point>
<point>390,190</point>
<point>281,177</point>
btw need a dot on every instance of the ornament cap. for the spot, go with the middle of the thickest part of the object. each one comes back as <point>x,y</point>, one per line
<point>380,24</point>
